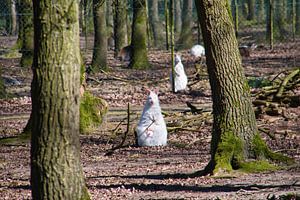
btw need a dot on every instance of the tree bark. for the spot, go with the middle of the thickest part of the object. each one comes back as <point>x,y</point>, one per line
<point>234,127</point>
<point>56,172</point>
<point>297,17</point>
<point>251,6</point>
<point>178,16</point>
<point>155,23</point>
<point>139,58</point>
<point>120,25</point>
<point>26,20</point>
<point>100,38</point>
<point>186,37</point>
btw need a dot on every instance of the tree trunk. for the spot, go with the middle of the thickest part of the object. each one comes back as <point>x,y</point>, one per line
<point>120,25</point>
<point>279,20</point>
<point>251,6</point>
<point>26,19</point>
<point>186,37</point>
<point>155,23</point>
<point>270,23</point>
<point>109,20</point>
<point>260,11</point>
<point>297,17</point>
<point>235,136</point>
<point>139,58</point>
<point>100,38</point>
<point>56,172</point>
<point>178,17</point>
<point>2,86</point>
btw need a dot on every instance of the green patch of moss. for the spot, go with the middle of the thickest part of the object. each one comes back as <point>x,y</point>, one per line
<point>261,151</point>
<point>229,153</point>
<point>257,166</point>
<point>92,111</point>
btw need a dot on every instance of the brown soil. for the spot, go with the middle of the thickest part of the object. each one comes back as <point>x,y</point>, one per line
<point>159,172</point>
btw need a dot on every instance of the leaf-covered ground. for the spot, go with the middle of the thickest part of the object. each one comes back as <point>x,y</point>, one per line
<point>154,173</point>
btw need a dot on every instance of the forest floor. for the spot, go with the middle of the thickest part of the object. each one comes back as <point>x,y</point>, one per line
<point>157,172</point>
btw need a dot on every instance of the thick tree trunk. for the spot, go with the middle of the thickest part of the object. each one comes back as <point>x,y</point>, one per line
<point>186,37</point>
<point>155,23</point>
<point>120,25</point>
<point>139,58</point>
<point>110,20</point>
<point>26,19</point>
<point>56,172</point>
<point>100,38</point>
<point>235,136</point>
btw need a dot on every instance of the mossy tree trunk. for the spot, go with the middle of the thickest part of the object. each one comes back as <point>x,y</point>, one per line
<point>26,19</point>
<point>139,58</point>
<point>235,136</point>
<point>120,25</point>
<point>155,23</point>
<point>100,37</point>
<point>186,37</point>
<point>56,172</point>
<point>109,18</point>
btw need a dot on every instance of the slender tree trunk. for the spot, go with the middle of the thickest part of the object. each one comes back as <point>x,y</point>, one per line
<point>100,41</point>
<point>186,37</point>
<point>139,58</point>
<point>269,23</point>
<point>297,17</point>
<point>279,19</point>
<point>251,6</point>
<point>260,11</point>
<point>155,23</point>
<point>109,19</point>
<point>234,134</point>
<point>178,17</point>
<point>235,9</point>
<point>120,25</point>
<point>167,19</point>
<point>2,86</point>
<point>56,172</point>
<point>26,19</point>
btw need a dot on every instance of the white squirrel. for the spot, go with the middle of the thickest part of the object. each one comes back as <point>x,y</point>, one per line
<point>180,80</point>
<point>151,129</point>
<point>197,50</point>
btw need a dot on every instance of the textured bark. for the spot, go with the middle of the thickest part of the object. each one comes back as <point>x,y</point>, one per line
<point>100,38</point>
<point>139,58</point>
<point>232,107</point>
<point>186,36</point>
<point>56,172</point>
<point>120,25</point>
<point>26,19</point>
<point>156,24</point>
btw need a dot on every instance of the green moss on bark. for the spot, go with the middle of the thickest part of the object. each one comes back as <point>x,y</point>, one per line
<point>230,156</point>
<point>92,111</point>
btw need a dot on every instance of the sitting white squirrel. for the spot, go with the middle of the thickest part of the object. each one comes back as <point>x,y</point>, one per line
<point>151,129</point>
<point>197,50</point>
<point>180,80</point>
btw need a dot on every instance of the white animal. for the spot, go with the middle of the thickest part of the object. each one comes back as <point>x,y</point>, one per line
<point>151,129</point>
<point>180,80</point>
<point>197,51</point>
